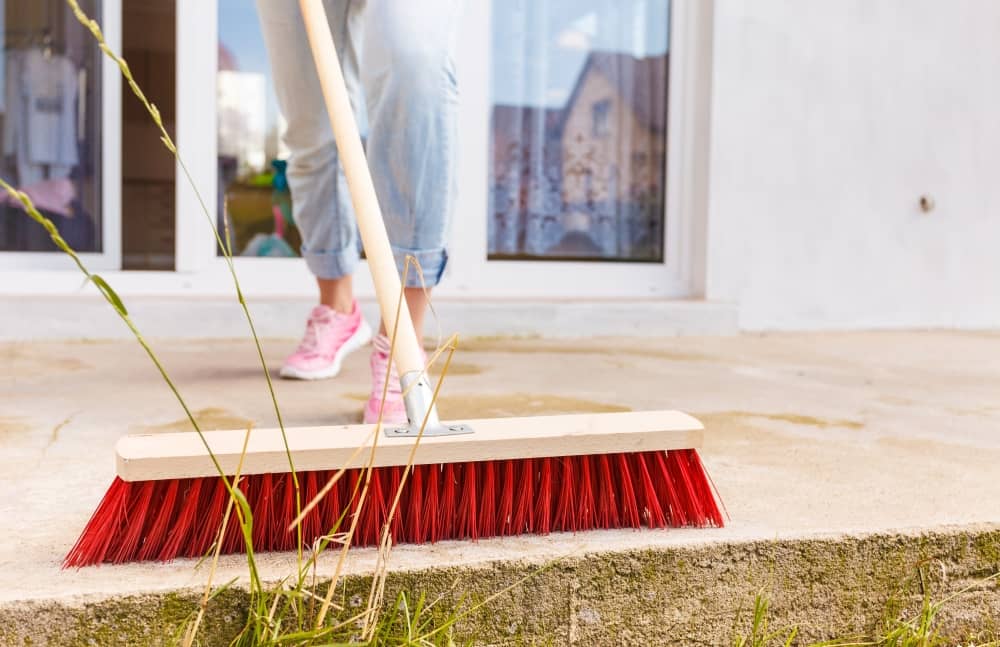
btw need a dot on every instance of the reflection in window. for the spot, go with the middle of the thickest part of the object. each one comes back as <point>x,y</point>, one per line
<point>578,129</point>
<point>602,110</point>
<point>253,190</point>
<point>50,106</point>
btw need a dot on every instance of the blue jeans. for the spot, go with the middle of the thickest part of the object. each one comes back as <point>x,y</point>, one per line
<point>397,57</point>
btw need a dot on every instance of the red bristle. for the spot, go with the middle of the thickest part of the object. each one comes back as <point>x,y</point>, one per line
<point>677,473</point>
<point>162,507</point>
<point>430,526</point>
<point>134,524</point>
<point>389,492</point>
<point>92,546</point>
<point>446,510</point>
<point>311,528</point>
<point>524,507</point>
<point>505,506</point>
<point>467,516</point>
<point>233,541</point>
<point>354,481</point>
<point>607,503</point>
<point>116,533</point>
<point>487,499</point>
<point>586,516</point>
<point>373,512</point>
<point>646,493</point>
<point>285,508</point>
<point>342,501</point>
<point>316,519</point>
<point>628,507</point>
<point>688,465</point>
<point>260,492</point>
<point>704,488</point>
<point>187,511</point>
<point>564,485</point>
<point>364,510</point>
<point>543,506</point>
<point>413,514</point>
<point>676,507</point>
<point>214,491</point>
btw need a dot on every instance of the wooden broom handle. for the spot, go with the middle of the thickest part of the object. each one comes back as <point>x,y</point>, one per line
<point>388,287</point>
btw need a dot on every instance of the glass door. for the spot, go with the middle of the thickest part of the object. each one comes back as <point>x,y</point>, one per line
<point>60,128</point>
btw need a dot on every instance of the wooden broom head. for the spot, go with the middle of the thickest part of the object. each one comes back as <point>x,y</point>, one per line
<point>153,457</point>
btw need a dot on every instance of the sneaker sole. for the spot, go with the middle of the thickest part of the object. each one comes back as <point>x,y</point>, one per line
<point>361,336</point>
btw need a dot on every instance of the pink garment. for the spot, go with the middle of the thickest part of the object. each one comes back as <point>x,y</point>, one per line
<point>54,196</point>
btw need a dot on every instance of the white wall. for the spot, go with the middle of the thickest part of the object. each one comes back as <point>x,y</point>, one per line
<point>830,118</point>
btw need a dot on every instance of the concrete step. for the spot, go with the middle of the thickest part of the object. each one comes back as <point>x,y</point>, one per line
<point>604,588</point>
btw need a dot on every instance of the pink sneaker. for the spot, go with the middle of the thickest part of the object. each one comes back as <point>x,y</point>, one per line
<point>330,337</point>
<point>395,410</point>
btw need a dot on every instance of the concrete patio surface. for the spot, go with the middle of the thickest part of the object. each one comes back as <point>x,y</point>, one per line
<point>849,437</point>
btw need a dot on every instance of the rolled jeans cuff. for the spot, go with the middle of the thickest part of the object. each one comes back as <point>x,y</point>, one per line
<point>432,263</point>
<point>332,264</point>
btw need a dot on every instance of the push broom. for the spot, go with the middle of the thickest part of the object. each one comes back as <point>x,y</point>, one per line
<point>469,479</point>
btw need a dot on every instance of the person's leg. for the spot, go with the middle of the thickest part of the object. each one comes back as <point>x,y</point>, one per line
<point>416,303</point>
<point>320,199</point>
<point>408,77</point>
<point>337,294</point>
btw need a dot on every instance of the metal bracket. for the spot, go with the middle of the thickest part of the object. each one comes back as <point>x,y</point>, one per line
<point>412,431</point>
<point>418,400</point>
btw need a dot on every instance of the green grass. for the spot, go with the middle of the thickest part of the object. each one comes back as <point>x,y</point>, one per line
<point>922,629</point>
<point>760,634</point>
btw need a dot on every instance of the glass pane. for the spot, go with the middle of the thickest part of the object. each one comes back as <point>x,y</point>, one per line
<point>253,193</point>
<point>149,41</point>
<point>578,160</point>
<point>50,136</point>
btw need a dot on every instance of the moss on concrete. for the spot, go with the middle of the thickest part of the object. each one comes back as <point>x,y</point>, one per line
<point>683,595</point>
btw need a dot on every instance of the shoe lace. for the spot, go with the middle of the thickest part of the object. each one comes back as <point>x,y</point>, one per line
<point>310,340</point>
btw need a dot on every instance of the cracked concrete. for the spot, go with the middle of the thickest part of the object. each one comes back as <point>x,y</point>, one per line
<point>881,441</point>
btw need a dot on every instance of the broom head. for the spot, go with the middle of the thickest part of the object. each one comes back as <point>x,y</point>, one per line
<point>510,476</point>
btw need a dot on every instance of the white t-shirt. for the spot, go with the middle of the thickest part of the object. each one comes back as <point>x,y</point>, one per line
<point>40,125</point>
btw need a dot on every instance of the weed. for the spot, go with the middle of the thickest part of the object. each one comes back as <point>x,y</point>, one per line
<point>759,635</point>
<point>921,630</point>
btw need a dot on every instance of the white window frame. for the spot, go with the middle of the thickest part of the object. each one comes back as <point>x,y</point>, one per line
<point>17,267</point>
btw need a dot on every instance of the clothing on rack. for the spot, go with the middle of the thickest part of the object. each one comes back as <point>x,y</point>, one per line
<point>40,124</point>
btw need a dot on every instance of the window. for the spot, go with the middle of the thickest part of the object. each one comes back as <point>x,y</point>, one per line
<point>253,189</point>
<point>50,103</point>
<point>579,114</point>
<point>602,112</point>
